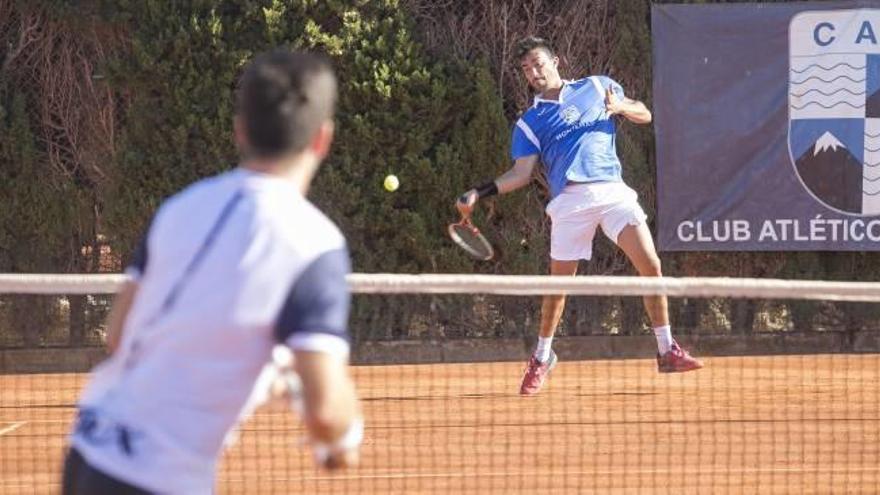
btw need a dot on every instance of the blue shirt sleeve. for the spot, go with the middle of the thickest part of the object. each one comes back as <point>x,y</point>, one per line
<point>521,145</point>
<point>319,300</point>
<point>616,88</point>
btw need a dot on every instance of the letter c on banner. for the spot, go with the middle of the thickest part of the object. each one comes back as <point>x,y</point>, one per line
<point>872,235</point>
<point>681,235</point>
<point>860,235</point>
<point>829,40</point>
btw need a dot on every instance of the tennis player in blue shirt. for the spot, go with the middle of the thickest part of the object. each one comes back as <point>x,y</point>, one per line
<point>571,129</point>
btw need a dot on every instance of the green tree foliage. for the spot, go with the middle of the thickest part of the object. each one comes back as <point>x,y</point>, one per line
<point>437,124</point>
<point>33,237</point>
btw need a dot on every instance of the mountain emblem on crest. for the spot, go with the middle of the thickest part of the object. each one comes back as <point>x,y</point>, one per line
<point>832,173</point>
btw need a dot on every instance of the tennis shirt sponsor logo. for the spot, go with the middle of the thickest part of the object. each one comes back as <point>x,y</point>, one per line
<point>98,430</point>
<point>570,114</point>
<point>575,119</point>
<point>834,107</point>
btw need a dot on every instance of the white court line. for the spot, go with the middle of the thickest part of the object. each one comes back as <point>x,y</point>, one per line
<point>43,421</point>
<point>12,427</point>
<point>596,472</point>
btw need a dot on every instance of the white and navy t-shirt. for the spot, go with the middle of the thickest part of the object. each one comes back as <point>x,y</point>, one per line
<point>229,267</point>
<point>573,135</point>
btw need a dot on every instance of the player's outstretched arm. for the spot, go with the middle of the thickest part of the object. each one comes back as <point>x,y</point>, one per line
<point>118,313</point>
<point>331,412</point>
<point>518,176</point>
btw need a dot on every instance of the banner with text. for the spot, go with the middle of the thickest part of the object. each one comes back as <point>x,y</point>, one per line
<point>767,120</point>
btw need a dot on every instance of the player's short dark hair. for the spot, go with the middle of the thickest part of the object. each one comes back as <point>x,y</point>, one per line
<point>283,98</point>
<point>525,45</point>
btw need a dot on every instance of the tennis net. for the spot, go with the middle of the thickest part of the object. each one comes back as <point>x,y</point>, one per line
<point>789,400</point>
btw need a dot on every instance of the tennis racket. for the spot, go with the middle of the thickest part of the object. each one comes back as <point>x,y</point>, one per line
<point>468,236</point>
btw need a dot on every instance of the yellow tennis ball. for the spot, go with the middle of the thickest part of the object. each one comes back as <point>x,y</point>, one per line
<point>391,183</point>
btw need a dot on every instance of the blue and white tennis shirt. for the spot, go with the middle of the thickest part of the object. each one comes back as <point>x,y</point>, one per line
<point>230,266</point>
<point>574,136</point>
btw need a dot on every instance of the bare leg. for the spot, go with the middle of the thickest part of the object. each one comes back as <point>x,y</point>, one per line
<point>638,245</point>
<point>543,360</point>
<point>636,242</point>
<point>552,306</point>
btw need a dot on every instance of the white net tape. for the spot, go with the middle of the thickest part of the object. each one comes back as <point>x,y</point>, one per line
<point>523,285</point>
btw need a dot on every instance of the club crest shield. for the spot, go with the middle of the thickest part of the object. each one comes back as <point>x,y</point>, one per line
<point>834,107</point>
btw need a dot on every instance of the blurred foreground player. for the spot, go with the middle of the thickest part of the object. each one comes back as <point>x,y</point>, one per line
<point>229,267</point>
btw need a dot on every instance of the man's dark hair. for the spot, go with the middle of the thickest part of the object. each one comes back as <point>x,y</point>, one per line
<point>530,43</point>
<point>283,98</point>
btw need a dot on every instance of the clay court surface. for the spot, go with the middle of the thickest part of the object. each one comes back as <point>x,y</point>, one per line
<point>793,424</point>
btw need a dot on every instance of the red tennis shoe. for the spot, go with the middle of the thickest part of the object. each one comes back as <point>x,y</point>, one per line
<point>536,374</point>
<point>677,360</point>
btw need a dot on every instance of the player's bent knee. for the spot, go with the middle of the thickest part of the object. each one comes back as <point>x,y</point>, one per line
<point>652,268</point>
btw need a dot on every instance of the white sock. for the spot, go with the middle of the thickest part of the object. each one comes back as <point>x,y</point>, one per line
<point>664,338</point>
<point>542,351</point>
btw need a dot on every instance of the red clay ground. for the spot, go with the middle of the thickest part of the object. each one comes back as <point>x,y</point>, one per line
<point>793,424</point>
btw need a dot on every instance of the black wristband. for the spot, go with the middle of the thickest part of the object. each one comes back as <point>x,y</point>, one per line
<point>487,189</point>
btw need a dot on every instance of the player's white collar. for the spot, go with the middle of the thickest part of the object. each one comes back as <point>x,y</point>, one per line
<point>558,101</point>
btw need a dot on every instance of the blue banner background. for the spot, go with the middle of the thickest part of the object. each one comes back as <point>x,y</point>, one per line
<point>721,77</point>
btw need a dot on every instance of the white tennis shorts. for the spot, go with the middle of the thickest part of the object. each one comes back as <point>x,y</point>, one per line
<point>581,208</point>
